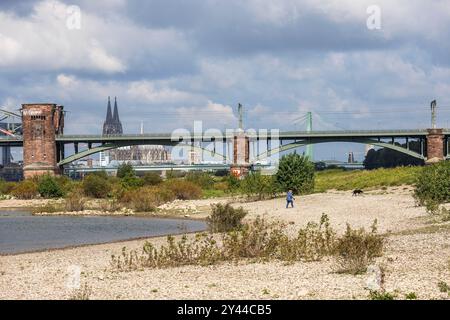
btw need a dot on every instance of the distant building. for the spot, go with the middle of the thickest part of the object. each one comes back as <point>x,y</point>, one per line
<point>194,157</point>
<point>351,157</point>
<point>135,154</point>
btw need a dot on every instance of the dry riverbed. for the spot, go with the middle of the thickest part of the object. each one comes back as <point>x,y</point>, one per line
<point>416,259</point>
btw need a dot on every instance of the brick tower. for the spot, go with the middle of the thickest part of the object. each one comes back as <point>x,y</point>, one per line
<point>41,123</point>
<point>435,146</point>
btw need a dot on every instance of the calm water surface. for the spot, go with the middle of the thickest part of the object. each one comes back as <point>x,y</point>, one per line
<point>22,232</point>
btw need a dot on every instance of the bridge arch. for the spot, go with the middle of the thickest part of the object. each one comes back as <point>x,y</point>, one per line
<point>111,146</point>
<point>377,143</point>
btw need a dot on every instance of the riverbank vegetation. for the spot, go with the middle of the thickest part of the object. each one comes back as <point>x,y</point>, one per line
<point>146,193</point>
<point>433,189</point>
<point>258,240</point>
<point>340,179</point>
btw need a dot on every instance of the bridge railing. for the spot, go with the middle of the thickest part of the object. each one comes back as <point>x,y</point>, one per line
<point>166,135</point>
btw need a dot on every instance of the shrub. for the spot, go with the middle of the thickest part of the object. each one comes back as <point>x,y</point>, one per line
<point>295,173</point>
<point>202,179</point>
<point>6,187</point>
<point>172,174</point>
<point>152,179</point>
<point>376,295</point>
<point>110,205</point>
<point>26,189</point>
<point>74,201</point>
<point>433,185</point>
<point>259,186</point>
<point>356,249</point>
<point>411,296</point>
<point>146,199</point>
<point>203,250</point>
<point>256,239</point>
<point>66,184</point>
<point>48,208</point>
<point>131,182</point>
<point>143,200</point>
<point>443,287</point>
<point>184,190</point>
<point>233,182</point>
<point>49,188</point>
<point>225,218</point>
<point>97,186</point>
<point>125,170</point>
<point>313,242</point>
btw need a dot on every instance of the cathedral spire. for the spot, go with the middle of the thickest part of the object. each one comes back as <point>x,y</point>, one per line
<point>108,112</point>
<point>112,124</point>
<point>116,112</point>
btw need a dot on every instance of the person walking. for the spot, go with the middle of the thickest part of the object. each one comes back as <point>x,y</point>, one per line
<point>290,199</point>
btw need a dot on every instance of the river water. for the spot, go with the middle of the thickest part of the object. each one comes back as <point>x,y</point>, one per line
<point>22,232</point>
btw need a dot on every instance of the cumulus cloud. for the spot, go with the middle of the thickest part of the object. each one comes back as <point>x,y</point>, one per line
<point>172,62</point>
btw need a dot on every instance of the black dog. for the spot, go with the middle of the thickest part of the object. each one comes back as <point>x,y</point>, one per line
<point>357,192</point>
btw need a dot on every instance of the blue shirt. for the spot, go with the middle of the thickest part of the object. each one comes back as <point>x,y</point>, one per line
<point>289,196</point>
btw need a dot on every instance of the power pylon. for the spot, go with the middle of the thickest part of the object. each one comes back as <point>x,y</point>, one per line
<point>309,147</point>
<point>433,114</point>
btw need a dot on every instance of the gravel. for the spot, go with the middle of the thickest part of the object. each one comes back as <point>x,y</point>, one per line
<point>413,261</point>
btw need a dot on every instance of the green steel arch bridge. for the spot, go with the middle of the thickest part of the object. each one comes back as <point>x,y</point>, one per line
<point>288,140</point>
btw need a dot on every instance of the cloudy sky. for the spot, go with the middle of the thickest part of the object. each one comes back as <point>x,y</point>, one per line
<point>173,62</point>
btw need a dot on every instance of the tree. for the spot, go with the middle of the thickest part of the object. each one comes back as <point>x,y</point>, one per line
<point>255,184</point>
<point>125,170</point>
<point>296,173</point>
<point>388,158</point>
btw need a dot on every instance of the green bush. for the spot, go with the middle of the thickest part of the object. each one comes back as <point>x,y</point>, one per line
<point>433,185</point>
<point>183,190</point>
<point>26,189</point>
<point>356,249</point>
<point>96,185</point>
<point>225,218</point>
<point>295,173</point>
<point>49,188</point>
<point>233,182</point>
<point>152,179</point>
<point>202,179</point>
<point>255,185</point>
<point>131,182</point>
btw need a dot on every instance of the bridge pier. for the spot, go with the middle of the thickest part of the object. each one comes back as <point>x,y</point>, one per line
<point>41,123</point>
<point>435,146</point>
<point>241,155</point>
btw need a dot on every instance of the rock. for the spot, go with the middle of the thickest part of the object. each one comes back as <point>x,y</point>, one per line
<point>302,293</point>
<point>374,278</point>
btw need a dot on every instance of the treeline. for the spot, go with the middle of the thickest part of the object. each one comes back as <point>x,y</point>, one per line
<point>388,158</point>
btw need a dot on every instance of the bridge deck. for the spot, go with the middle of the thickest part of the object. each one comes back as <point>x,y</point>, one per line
<point>286,135</point>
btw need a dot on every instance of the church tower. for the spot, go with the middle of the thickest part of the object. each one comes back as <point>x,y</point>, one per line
<point>112,124</point>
